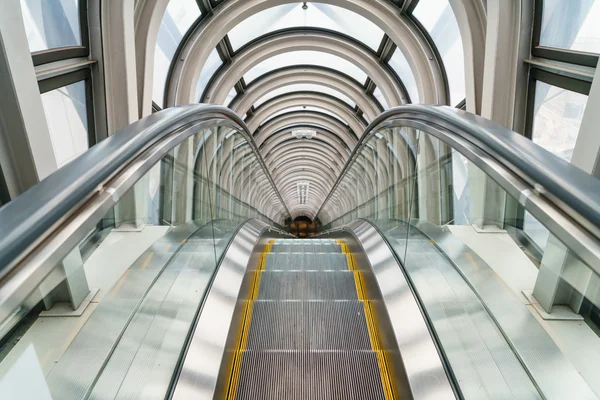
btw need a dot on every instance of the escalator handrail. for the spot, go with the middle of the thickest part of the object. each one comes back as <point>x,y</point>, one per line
<point>34,212</point>
<point>557,179</point>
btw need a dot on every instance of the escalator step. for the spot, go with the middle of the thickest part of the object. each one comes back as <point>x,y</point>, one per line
<point>307,261</point>
<point>309,375</point>
<point>308,325</point>
<point>307,285</point>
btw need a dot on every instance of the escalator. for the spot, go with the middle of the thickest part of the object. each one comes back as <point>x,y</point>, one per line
<point>308,328</point>
<point>158,265</point>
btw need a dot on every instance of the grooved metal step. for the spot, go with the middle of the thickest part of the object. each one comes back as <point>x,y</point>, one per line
<point>309,375</point>
<point>306,261</point>
<point>331,247</point>
<point>305,285</point>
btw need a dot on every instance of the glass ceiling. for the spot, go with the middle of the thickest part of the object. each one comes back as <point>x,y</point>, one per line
<point>400,65</point>
<point>301,87</point>
<point>50,24</point>
<point>379,96</point>
<point>303,108</point>
<point>437,17</point>
<point>178,17</point>
<point>308,57</point>
<point>316,15</point>
<point>212,64</point>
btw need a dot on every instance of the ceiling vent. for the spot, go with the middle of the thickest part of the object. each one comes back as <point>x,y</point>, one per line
<point>304,133</point>
<point>302,188</point>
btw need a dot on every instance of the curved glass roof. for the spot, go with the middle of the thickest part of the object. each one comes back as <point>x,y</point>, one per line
<point>208,70</point>
<point>301,87</point>
<point>316,15</point>
<point>306,57</point>
<point>302,108</point>
<point>51,24</point>
<point>439,20</point>
<point>177,19</point>
<point>400,66</point>
<point>380,98</point>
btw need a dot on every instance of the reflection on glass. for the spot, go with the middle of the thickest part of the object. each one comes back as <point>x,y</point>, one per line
<point>380,98</point>
<point>316,15</point>
<point>571,25</point>
<point>400,65</point>
<point>556,119</point>
<point>147,264</point>
<point>51,24</point>
<point>301,87</point>
<point>178,17</point>
<point>209,68</point>
<point>439,20</point>
<point>66,113</point>
<point>536,231</point>
<point>306,57</point>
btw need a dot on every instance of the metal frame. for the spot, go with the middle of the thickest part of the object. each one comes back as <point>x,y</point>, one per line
<point>552,53</point>
<point>59,81</point>
<point>63,53</point>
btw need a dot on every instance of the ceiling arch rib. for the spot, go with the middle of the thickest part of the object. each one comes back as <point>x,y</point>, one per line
<point>291,40</point>
<point>402,31</point>
<point>302,118</point>
<point>306,74</point>
<point>295,99</point>
<point>324,139</point>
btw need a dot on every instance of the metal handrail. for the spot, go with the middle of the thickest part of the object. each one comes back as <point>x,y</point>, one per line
<point>24,220</point>
<point>567,187</point>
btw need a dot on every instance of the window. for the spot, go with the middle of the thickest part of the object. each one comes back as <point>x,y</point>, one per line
<point>315,15</point>
<point>178,17</point>
<point>400,65</point>
<point>308,57</point>
<point>305,87</point>
<point>212,64</point>
<point>51,24</point>
<point>438,19</point>
<point>230,96</point>
<point>66,113</point>
<point>379,96</point>
<point>557,115</point>
<point>571,25</point>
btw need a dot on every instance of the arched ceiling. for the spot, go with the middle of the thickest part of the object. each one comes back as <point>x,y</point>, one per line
<point>324,68</point>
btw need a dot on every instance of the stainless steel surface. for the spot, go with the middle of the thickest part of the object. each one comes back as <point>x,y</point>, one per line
<point>200,370</point>
<point>532,345</point>
<point>47,221</point>
<point>421,360</point>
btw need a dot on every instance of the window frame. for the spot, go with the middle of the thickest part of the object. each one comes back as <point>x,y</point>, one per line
<point>554,53</point>
<point>63,53</point>
<point>60,81</point>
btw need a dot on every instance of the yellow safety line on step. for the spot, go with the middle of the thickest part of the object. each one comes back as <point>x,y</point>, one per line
<point>242,339</point>
<point>384,373</point>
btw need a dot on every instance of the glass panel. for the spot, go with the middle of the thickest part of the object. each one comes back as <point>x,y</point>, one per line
<point>571,25</point>
<point>213,63</point>
<point>303,108</point>
<point>437,17</point>
<point>307,57</point>
<point>66,113</point>
<point>230,96</point>
<point>379,96</point>
<point>316,15</point>
<point>455,230</point>
<point>300,87</point>
<point>178,17</point>
<point>51,24</point>
<point>151,259</point>
<point>400,66</point>
<point>556,118</point>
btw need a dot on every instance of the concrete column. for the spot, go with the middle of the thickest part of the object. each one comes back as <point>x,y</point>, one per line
<point>26,155</point>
